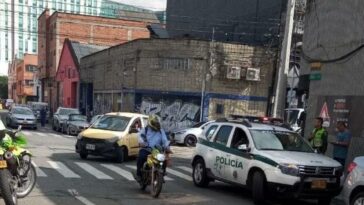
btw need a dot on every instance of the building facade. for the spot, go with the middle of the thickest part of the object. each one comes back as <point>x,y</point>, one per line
<point>24,79</point>
<point>176,78</point>
<point>54,29</point>
<point>24,28</point>
<point>68,71</point>
<point>333,58</point>
<point>249,22</point>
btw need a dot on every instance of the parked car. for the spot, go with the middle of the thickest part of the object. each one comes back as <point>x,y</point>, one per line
<point>61,116</point>
<point>37,107</point>
<point>269,160</point>
<point>114,135</point>
<point>353,191</point>
<point>21,116</point>
<point>189,136</point>
<point>75,124</point>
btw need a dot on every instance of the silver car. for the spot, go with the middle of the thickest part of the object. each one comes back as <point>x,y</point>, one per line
<point>75,124</point>
<point>61,116</point>
<point>353,191</point>
<point>21,116</point>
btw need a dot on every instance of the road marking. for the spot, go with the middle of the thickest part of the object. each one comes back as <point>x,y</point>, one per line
<point>119,171</point>
<point>63,170</point>
<point>82,199</point>
<point>41,134</point>
<point>187,169</point>
<point>93,171</point>
<point>39,172</point>
<point>179,174</point>
<point>165,177</point>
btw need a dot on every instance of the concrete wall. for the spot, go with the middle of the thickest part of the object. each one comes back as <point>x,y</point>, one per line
<point>332,30</point>
<point>145,67</point>
<point>246,21</point>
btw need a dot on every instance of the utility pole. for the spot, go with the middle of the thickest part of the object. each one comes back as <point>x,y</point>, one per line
<point>12,29</point>
<point>281,85</point>
<point>204,76</point>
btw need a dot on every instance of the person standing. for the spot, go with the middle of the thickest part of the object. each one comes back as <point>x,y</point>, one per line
<point>43,115</point>
<point>318,138</point>
<point>342,143</point>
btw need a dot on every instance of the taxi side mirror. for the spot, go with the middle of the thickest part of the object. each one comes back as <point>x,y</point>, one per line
<point>243,148</point>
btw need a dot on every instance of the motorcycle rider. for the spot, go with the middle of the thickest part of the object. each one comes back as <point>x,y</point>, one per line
<point>150,136</point>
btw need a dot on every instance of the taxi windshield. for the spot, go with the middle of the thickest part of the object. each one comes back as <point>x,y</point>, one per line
<point>113,123</point>
<point>279,141</point>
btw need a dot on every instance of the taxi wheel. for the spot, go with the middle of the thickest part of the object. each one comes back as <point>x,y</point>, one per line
<point>121,154</point>
<point>190,141</point>
<point>83,154</point>
<point>258,188</point>
<point>199,174</point>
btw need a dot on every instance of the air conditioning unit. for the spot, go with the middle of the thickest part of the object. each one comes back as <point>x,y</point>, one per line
<point>233,73</point>
<point>253,74</point>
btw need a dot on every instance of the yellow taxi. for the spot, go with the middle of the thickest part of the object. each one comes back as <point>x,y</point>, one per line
<point>113,135</point>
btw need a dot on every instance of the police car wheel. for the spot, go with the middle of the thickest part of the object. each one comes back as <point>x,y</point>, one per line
<point>358,198</point>
<point>199,174</point>
<point>190,141</point>
<point>258,188</point>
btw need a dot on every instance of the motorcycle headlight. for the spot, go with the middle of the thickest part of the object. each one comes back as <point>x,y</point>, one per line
<point>289,169</point>
<point>113,140</point>
<point>161,157</point>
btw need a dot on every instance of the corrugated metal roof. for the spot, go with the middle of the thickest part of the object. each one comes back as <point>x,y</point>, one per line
<point>82,50</point>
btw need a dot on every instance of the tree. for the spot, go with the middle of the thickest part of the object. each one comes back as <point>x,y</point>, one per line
<point>3,87</point>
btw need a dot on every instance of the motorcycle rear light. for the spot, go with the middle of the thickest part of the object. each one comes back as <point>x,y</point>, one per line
<point>351,167</point>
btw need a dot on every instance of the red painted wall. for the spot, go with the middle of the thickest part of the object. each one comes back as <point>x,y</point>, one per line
<point>68,76</point>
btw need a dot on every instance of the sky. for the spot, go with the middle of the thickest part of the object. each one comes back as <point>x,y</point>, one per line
<point>157,5</point>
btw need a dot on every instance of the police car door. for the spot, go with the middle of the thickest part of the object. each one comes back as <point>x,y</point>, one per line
<point>237,159</point>
<point>217,151</point>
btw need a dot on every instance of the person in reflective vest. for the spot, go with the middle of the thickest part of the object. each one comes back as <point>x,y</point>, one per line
<point>318,138</point>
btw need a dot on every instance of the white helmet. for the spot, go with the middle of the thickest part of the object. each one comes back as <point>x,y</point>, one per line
<point>2,126</point>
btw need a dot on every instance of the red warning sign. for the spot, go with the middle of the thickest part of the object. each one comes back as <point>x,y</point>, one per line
<point>325,112</point>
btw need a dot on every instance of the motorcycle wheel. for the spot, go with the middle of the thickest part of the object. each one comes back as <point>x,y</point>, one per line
<point>27,187</point>
<point>7,188</point>
<point>156,184</point>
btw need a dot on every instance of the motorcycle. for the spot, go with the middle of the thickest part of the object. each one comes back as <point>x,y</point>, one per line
<point>17,173</point>
<point>153,171</point>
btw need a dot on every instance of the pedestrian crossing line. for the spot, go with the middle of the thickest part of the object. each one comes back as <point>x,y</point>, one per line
<point>165,177</point>
<point>41,134</point>
<point>187,169</point>
<point>119,171</point>
<point>63,170</point>
<point>179,174</point>
<point>93,171</point>
<point>54,135</point>
<point>39,172</point>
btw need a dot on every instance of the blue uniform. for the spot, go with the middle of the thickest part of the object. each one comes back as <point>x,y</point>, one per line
<point>340,151</point>
<point>153,138</point>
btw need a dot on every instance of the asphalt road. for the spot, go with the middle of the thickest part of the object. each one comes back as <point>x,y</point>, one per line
<point>64,179</point>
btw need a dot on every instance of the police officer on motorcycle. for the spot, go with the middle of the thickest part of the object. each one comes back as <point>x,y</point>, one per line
<point>149,137</point>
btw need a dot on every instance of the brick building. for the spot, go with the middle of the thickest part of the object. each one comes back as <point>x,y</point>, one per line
<point>54,29</point>
<point>334,58</point>
<point>167,77</point>
<point>25,71</point>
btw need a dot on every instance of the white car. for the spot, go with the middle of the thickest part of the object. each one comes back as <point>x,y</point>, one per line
<point>189,136</point>
<point>269,160</point>
<point>353,191</point>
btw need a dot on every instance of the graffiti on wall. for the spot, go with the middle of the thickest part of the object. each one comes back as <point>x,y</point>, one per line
<point>174,116</point>
<point>102,104</point>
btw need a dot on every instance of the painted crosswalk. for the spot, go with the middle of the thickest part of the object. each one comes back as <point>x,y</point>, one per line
<point>103,171</point>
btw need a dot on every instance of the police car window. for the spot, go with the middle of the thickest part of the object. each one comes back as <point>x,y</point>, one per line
<point>239,138</point>
<point>223,134</point>
<point>211,131</point>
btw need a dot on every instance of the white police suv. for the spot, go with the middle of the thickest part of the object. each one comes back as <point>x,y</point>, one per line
<point>270,160</point>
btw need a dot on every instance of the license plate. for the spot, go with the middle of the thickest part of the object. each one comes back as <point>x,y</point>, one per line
<point>3,164</point>
<point>319,184</point>
<point>90,147</point>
